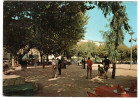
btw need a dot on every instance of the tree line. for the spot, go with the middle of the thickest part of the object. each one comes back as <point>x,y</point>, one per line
<point>90,49</point>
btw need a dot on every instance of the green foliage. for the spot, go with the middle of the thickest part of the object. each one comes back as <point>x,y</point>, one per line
<point>118,26</point>
<point>86,49</point>
<point>50,27</point>
<point>63,25</point>
<point>101,51</point>
<point>15,32</point>
<point>134,53</point>
<point>71,51</point>
<point>123,53</point>
<point>54,27</point>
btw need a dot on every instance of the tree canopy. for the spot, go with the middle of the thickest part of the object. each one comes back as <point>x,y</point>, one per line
<point>123,53</point>
<point>50,27</point>
<point>86,49</point>
<point>118,26</point>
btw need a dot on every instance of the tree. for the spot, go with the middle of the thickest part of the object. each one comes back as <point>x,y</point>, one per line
<point>15,31</point>
<point>118,25</point>
<point>123,52</point>
<point>86,49</point>
<point>16,27</point>
<point>50,27</point>
<point>71,51</point>
<point>101,51</point>
<point>134,51</point>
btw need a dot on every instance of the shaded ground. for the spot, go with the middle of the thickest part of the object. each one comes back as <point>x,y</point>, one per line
<point>73,82</point>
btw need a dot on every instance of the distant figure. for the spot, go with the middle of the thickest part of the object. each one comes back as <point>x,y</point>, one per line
<point>54,67</point>
<point>35,63</point>
<point>83,63</point>
<point>10,64</point>
<point>43,64</point>
<point>59,66</point>
<point>65,62</point>
<point>78,63</point>
<point>23,65</point>
<point>106,62</point>
<point>68,62</point>
<point>100,70</point>
<point>5,67</point>
<point>89,67</point>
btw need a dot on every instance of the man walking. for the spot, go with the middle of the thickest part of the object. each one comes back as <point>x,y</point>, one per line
<point>89,67</point>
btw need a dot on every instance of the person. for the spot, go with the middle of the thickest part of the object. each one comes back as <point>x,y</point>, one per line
<point>43,64</point>
<point>83,63</point>
<point>35,63</point>
<point>23,65</point>
<point>100,70</point>
<point>10,64</point>
<point>54,67</point>
<point>59,66</point>
<point>106,62</point>
<point>89,67</point>
<point>65,62</point>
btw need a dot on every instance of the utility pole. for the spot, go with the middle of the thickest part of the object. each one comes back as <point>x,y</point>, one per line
<point>131,49</point>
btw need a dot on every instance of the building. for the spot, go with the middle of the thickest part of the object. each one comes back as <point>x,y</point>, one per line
<point>98,43</point>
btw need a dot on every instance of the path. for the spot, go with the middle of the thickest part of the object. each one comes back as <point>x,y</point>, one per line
<point>73,82</point>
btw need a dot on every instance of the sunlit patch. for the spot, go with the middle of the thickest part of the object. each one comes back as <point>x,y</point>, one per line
<point>72,79</point>
<point>60,90</point>
<point>96,79</point>
<point>52,79</point>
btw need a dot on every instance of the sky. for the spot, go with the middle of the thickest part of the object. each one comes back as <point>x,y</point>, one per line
<point>97,22</point>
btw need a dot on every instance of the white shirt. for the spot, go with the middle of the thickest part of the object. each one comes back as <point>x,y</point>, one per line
<point>55,62</point>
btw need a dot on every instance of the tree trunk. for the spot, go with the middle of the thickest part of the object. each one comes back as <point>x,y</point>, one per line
<point>95,59</point>
<point>47,59</point>
<point>114,65</point>
<point>114,70</point>
<point>62,60</point>
<point>41,58</point>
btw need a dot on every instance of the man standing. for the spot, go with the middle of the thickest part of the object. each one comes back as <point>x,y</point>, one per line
<point>59,66</point>
<point>35,63</point>
<point>43,63</point>
<point>54,67</point>
<point>83,63</point>
<point>106,62</point>
<point>89,67</point>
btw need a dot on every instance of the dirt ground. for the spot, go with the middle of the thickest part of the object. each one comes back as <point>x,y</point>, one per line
<point>73,82</point>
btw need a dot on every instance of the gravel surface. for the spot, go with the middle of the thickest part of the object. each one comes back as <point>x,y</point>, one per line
<point>73,82</point>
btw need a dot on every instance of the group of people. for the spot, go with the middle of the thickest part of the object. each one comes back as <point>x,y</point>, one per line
<point>56,64</point>
<point>101,70</point>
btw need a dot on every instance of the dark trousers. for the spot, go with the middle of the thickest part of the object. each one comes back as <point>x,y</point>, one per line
<point>84,66</point>
<point>59,69</point>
